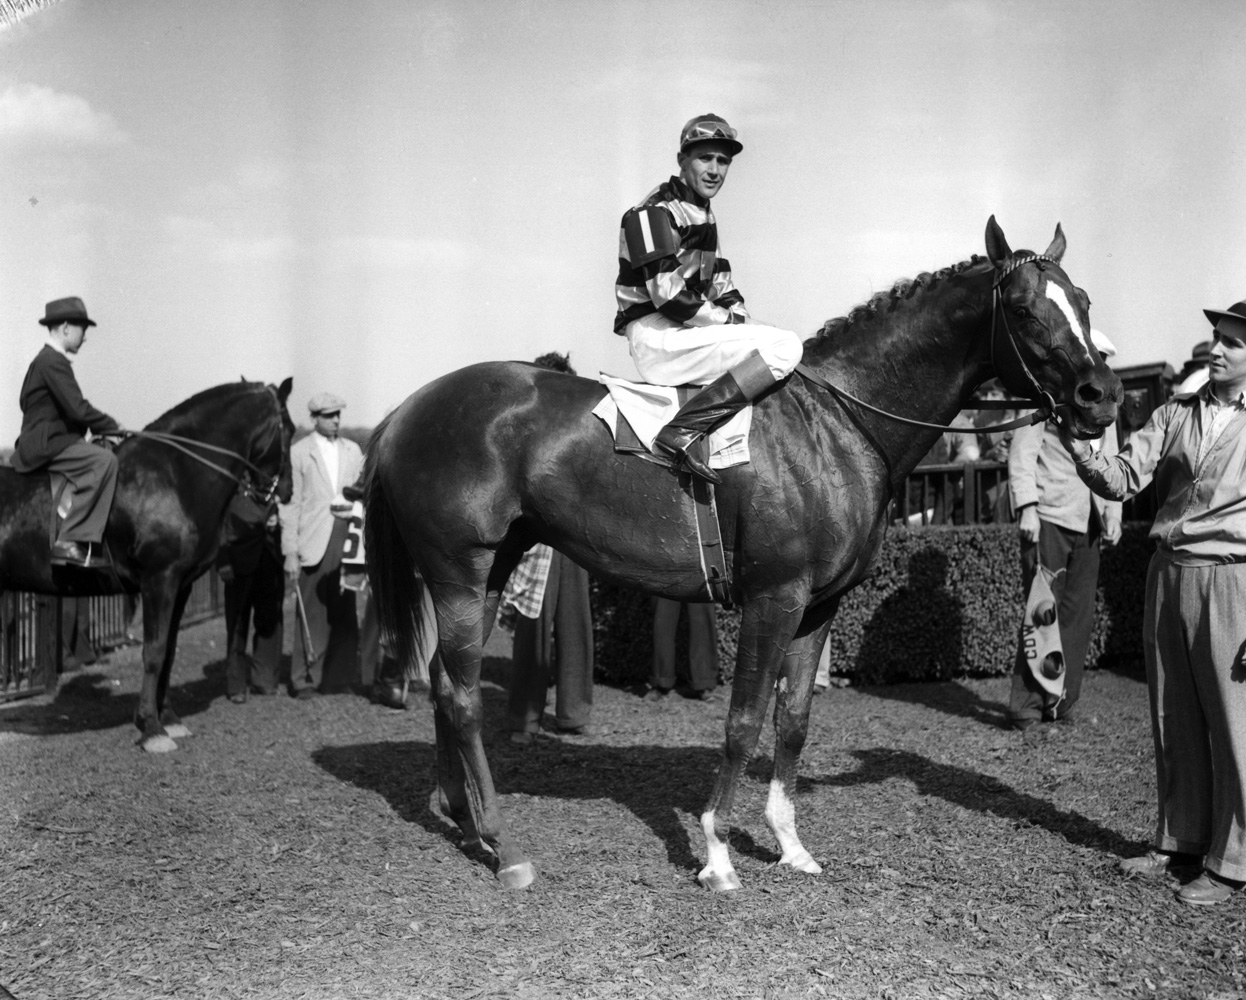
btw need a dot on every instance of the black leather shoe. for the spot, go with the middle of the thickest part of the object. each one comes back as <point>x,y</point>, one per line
<point>71,554</point>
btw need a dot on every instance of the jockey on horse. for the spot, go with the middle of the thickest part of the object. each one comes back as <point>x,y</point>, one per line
<point>54,418</point>
<point>684,319</point>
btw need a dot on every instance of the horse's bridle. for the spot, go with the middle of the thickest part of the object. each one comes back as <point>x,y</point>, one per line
<point>1048,410</point>
<point>997,310</point>
<point>248,489</point>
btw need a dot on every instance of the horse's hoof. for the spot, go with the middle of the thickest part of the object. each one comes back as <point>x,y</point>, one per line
<point>159,744</point>
<point>727,881</point>
<point>177,730</point>
<point>518,876</point>
<point>802,861</point>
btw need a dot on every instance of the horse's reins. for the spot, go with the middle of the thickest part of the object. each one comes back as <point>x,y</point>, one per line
<point>1049,409</point>
<point>248,488</point>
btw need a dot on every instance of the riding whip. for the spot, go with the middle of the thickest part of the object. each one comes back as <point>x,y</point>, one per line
<point>307,639</point>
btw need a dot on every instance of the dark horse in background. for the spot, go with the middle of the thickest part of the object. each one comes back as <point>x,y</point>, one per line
<point>163,529</point>
<point>479,465</point>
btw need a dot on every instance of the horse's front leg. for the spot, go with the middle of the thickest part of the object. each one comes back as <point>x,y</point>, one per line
<point>160,598</point>
<point>173,725</point>
<point>793,698</point>
<point>765,630</point>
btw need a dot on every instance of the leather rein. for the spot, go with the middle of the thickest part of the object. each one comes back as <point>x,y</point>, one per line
<point>1047,410</point>
<point>248,488</point>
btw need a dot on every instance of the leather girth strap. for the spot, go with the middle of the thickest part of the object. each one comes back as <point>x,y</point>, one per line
<point>710,541</point>
<point>709,530</point>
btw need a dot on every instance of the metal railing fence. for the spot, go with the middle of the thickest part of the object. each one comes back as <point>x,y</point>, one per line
<point>31,648</point>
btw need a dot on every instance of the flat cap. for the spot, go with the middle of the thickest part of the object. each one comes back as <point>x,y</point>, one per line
<point>325,402</point>
<point>1101,342</point>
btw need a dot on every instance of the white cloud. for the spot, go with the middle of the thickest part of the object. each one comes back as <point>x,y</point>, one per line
<point>30,114</point>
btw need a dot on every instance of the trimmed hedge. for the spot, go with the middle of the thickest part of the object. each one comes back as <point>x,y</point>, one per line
<point>941,602</point>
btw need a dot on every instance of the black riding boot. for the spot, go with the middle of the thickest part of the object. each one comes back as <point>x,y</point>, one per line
<point>712,406</point>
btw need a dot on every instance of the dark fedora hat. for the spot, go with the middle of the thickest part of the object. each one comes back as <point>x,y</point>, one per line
<point>66,311</point>
<point>1237,311</point>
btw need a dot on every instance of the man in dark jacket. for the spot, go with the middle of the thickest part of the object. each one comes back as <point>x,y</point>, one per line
<point>55,418</point>
<point>250,566</point>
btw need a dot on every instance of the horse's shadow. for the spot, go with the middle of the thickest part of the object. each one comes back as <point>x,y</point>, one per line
<point>660,785</point>
<point>89,701</point>
<point>949,697</point>
<point>657,784</point>
<point>975,791</point>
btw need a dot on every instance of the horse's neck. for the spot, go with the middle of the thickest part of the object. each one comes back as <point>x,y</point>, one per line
<point>919,357</point>
<point>227,422</point>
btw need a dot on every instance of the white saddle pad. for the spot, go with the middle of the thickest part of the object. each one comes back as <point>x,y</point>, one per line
<point>648,408</point>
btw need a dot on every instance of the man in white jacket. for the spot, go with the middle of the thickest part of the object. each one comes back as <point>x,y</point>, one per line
<point>312,533</point>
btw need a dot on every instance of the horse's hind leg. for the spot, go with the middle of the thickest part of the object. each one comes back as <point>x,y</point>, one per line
<point>793,698</point>
<point>466,784</point>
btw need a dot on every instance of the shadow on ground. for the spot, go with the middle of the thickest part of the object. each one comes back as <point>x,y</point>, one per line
<point>973,790</point>
<point>90,700</point>
<point>662,784</point>
<point>948,697</point>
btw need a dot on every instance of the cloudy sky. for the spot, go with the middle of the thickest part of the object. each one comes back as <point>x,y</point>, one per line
<point>367,195</point>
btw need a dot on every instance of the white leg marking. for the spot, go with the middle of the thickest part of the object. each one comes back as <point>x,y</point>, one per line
<point>718,874</point>
<point>178,730</point>
<point>1056,294</point>
<point>781,818</point>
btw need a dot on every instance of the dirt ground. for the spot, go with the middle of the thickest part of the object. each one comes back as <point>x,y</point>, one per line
<point>286,851</point>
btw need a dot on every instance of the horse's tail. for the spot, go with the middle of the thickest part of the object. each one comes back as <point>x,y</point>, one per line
<point>397,587</point>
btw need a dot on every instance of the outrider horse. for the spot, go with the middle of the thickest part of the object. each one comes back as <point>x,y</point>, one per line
<point>478,465</point>
<point>175,479</point>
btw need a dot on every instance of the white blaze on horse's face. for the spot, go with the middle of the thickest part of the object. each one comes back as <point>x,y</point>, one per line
<point>1082,330</point>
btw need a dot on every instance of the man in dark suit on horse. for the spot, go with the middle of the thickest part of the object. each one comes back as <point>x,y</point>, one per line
<point>55,418</point>
<point>684,319</point>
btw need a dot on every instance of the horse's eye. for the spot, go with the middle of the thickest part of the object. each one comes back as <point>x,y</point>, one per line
<point>1024,313</point>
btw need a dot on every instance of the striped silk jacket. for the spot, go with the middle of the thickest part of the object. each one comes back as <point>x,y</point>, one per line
<point>669,263</point>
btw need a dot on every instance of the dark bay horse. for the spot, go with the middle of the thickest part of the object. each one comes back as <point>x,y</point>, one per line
<point>478,465</point>
<point>163,529</point>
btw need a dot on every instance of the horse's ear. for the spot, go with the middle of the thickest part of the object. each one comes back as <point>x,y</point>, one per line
<point>283,390</point>
<point>997,248</point>
<point>1058,244</point>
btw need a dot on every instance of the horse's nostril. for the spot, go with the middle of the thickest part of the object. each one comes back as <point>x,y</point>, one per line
<point>1088,393</point>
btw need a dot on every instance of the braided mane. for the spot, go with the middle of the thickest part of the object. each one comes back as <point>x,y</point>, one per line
<point>904,288</point>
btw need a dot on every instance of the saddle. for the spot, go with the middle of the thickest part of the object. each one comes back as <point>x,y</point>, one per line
<point>632,409</point>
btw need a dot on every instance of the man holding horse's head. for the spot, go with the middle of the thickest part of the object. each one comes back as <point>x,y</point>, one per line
<point>683,317</point>
<point>55,418</point>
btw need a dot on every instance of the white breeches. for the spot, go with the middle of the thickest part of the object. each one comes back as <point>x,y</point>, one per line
<point>666,353</point>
